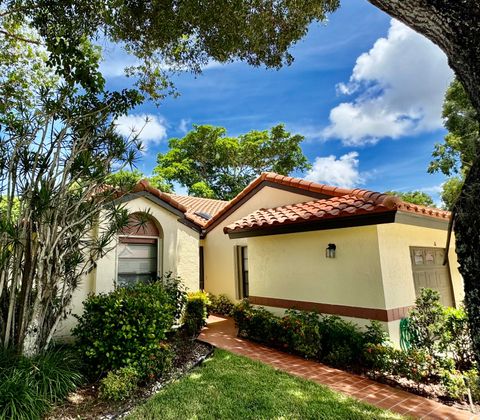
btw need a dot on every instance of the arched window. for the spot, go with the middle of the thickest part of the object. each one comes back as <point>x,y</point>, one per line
<point>139,251</point>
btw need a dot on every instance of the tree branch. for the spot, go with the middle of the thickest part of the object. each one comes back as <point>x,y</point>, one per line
<point>19,37</point>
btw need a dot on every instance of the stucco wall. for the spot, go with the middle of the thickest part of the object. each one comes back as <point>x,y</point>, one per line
<point>395,240</point>
<point>219,254</point>
<point>294,266</point>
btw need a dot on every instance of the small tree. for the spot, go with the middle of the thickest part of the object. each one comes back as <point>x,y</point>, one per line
<point>54,158</point>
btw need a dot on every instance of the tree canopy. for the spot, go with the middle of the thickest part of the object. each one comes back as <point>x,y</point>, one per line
<point>415,197</point>
<point>455,155</point>
<point>163,36</point>
<point>125,180</point>
<point>211,164</point>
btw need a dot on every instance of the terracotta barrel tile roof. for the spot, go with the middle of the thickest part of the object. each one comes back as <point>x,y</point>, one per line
<point>196,209</point>
<point>199,210</point>
<point>302,184</point>
<point>144,185</point>
<point>343,203</point>
<point>336,207</point>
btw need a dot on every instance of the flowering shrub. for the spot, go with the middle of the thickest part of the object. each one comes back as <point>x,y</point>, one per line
<point>195,315</point>
<point>440,351</point>
<point>301,333</point>
<point>326,338</point>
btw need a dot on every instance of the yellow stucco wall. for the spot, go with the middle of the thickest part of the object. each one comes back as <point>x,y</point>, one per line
<point>294,266</point>
<point>395,240</point>
<point>219,249</point>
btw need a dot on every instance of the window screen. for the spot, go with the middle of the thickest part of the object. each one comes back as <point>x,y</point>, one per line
<point>137,262</point>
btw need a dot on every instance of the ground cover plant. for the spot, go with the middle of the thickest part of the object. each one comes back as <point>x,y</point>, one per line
<point>437,359</point>
<point>229,386</point>
<point>30,386</point>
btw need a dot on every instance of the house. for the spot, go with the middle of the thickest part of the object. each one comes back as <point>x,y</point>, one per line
<point>285,242</point>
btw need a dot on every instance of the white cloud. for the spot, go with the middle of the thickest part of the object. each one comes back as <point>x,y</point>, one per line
<point>184,125</point>
<point>400,84</point>
<point>341,172</point>
<point>151,129</point>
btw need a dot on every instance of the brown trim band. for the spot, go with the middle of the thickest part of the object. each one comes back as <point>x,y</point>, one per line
<point>385,315</point>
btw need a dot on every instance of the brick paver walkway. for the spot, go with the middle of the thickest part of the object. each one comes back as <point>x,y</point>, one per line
<point>221,333</point>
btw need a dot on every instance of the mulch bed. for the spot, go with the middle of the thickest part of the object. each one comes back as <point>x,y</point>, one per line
<point>85,404</point>
<point>431,391</point>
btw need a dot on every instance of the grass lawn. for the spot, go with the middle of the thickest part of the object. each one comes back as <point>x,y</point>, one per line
<point>233,387</point>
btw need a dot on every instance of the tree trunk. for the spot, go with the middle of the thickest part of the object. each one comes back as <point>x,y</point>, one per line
<point>31,341</point>
<point>454,26</point>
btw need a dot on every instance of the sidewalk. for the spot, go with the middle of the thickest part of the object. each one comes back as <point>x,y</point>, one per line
<point>221,332</point>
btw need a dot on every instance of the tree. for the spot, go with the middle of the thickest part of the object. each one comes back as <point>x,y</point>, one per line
<point>454,27</point>
<point>164,36</point>
<point>415,197</point>
<point>451,189</point>
<point>457,152</point>
<point>58,219</point>
<point>57,144</point>
<point>125,180</point>
<point>213,165</point>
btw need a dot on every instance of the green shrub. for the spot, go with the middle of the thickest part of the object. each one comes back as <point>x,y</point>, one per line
<point>472,380</point>
<point>301,332</point>
<point>258,324</point>
<point>342,342</point>
<point>380,358</point>
<point>413,364</point>
<point>375,334</point>
<point>455,338</point>
<point>453,384</point>
<point>241,314</point>
<point>220,305</point>
<point>119,384</point>
<point>195,315</point>
<point>128,327</point>
<point>327,338</point>
<point>426,322</point>
<point>28,386</point>
<point>175,289</point>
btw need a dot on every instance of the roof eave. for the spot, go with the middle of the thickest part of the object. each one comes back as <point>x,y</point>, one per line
<point>313,225</point>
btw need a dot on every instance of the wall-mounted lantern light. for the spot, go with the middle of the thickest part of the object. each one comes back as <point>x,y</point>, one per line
<point>330,251</point>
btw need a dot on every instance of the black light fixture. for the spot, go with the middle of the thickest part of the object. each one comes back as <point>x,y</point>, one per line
<point>330,251</point>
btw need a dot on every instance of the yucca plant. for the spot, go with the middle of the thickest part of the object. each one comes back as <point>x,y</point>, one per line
<point>58,144</point>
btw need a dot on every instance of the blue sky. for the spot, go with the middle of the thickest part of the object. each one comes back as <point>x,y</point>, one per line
<point>364,90</point>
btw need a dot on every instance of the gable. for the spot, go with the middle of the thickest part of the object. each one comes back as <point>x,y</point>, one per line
<point>265,195</point>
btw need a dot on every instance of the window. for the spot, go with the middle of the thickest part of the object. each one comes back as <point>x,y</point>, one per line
<point>242,270</point>
<point>139,250</point>
<point>137,260</point>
